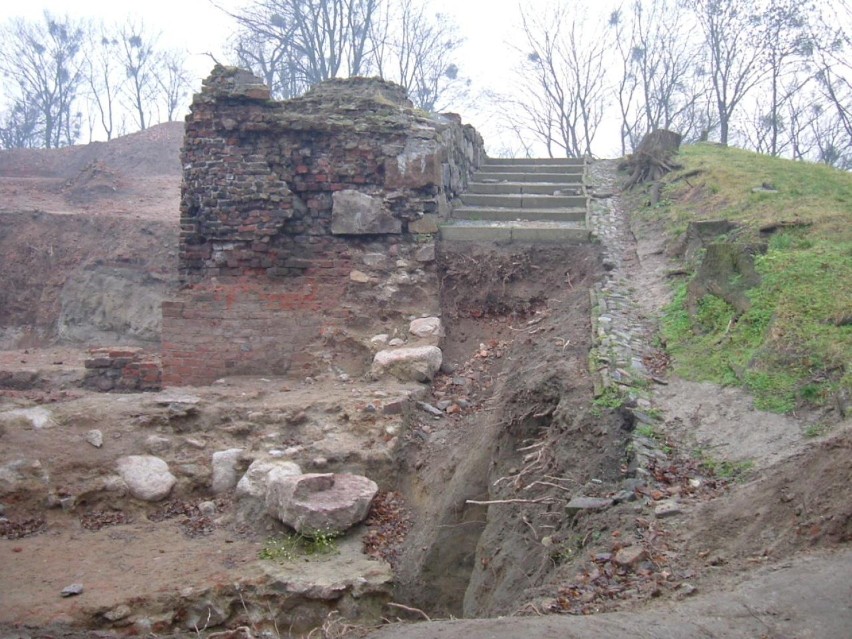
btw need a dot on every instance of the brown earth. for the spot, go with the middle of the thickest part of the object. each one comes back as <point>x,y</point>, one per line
<point>81,227</point>
<point>765,555</point>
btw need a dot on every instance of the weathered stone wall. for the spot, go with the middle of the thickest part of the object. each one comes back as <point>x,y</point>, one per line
<point>305,218</point>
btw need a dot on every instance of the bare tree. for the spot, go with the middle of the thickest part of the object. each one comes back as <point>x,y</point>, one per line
<point>174,82</point>
<point>660,81</point>
<point>734,66</point>
<point>104,78</point>
<point>786,42</point>
<point>415,48</point>
<point>139,59</point>
<point>42,61</point>
<point>20,127</point>
<point>563,77</point>
<point>265,43</point>
<point>317,39</point>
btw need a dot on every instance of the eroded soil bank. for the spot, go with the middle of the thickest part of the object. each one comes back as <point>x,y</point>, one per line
<point>518,337</point>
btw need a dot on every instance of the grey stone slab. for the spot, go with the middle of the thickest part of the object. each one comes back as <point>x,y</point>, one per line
<point>508,214</point>
<point>537,188</point>
<point>535,161</point>
<point>524,201</point>
<point>546,178</point>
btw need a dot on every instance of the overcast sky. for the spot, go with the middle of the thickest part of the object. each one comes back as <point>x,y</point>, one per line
<point>199,27</point>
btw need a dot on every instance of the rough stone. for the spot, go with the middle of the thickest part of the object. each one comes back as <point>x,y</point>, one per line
<point>225,467</point>
<point>157,444</point>
<point>147,477</point>
<point>667,508</point>
<point>425,254</point>
<point>317,502</point>
<point>23,475</point>
<point>588,503</point>
<point>118,613</point>
<point>426,327</point>
<point>356,213</point>
<point>72,590</point>
<point>360,277</point>
<point>426,224</point>
<point>95,438</point>
<point>250,493</point>
<point>418,363</point>
<point>630,557</point>
<point>375,260</point>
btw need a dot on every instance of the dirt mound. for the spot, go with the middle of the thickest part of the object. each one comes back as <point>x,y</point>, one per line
<point>148,153</point>
<point>798,504</point>
<point>88,240</point>
<point>95,181</point>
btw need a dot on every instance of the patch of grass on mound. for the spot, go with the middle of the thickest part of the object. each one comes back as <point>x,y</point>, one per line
<point>793,346</point>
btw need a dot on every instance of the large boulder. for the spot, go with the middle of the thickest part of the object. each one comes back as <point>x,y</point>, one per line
<point>416,363</point>
<point>147,477</point>
<point>250,493</point>
<point>320,502</point>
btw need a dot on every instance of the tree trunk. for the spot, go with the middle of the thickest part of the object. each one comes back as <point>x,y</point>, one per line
<point>652,158</point>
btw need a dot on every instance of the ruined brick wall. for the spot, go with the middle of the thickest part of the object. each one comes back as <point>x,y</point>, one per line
<point>122,368</point>
<point>300,217</point>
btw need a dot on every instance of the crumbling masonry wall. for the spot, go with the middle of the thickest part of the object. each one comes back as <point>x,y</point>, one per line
<point>305,221</point>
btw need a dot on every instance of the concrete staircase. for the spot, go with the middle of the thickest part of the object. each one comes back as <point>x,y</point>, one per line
<point>524,200</point>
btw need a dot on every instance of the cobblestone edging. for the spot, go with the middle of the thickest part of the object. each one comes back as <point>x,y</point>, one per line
<point>621,336</point>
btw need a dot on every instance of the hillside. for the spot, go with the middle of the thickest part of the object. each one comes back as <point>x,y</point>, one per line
<point>88,240</point>
<point>766,300</point>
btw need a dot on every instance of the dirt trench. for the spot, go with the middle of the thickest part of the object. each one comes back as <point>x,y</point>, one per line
<point>517,342</point>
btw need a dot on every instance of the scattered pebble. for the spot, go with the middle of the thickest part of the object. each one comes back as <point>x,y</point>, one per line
<point>72,590</point>
<point>95,438</point>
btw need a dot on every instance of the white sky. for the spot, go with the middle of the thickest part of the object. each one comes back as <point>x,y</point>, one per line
<point>197,26</point>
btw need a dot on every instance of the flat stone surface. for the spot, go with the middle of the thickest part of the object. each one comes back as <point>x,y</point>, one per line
<point>320,502</point>
<point>356,213</point>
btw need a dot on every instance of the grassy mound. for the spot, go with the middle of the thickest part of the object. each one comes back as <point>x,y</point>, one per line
<point>792,346</point>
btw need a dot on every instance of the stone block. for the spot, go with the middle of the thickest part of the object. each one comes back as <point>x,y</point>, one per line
<point>418,363</point>
<point>320,502</point>
<point>418,165</point>
<point>356,213</point>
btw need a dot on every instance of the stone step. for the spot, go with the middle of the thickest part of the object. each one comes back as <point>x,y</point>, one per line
<point>548,178</point>
<point>525,187</point>
<point>523,201</point>
<point>532,168</point>
<point>535,161</point>
<point>506,214</point>
<point>539,232</point>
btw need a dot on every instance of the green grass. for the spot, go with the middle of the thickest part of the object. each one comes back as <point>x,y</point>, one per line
<point>292,546</point>
<point>611,398</point>
<point>737,471</point>
<point>793,347</point>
